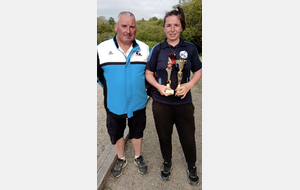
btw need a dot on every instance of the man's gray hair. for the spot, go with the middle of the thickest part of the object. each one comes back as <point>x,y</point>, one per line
<point>125,12</point>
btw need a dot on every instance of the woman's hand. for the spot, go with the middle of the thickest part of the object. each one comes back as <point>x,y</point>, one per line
<point>186,87</point>
<point>183,90</point>
<point>162,90</point>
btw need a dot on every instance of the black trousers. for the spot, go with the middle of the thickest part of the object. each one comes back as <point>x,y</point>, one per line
<point>165,116</point>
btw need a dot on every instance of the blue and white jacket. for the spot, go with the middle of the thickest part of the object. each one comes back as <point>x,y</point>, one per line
<point>122,79</point>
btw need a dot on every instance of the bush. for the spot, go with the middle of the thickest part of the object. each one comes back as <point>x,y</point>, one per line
<point>151,44</point>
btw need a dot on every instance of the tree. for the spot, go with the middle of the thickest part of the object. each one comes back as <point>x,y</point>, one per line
<point>153,19</point>
<point>150,31</point>
<point>105,30</point>
<point>111,20</point>
<point>193,17</point>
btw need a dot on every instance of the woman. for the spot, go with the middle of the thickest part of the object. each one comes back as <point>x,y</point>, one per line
<point>168,69</point>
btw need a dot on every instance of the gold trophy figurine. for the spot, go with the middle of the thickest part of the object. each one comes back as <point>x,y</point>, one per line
<point>169,70</point>
<point>180,64</point>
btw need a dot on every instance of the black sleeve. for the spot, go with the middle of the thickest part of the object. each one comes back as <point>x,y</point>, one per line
<point>100,76</point>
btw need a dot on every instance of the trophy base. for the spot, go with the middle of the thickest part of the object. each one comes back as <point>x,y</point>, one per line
<point>169,91</point>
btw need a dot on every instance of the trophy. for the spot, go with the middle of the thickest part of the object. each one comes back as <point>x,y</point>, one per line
<point>169,71</point>
<point>180,65</point>
<point>171,62</point>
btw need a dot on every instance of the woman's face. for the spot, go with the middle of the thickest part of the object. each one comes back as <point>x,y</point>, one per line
<point>173,27</point>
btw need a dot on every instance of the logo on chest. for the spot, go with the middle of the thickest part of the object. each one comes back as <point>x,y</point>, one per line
<point>183,54</point>
<point>138,53</point>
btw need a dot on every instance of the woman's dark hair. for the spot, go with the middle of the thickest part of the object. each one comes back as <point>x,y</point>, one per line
<point>178,11</point>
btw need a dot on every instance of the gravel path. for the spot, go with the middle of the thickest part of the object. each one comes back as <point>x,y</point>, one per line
<point>102,136</point>
<point>130,178</point>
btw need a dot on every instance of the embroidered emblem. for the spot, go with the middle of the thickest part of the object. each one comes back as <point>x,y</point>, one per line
<point>183,54</point>
<point>138,53</point>
<point>110,53</point>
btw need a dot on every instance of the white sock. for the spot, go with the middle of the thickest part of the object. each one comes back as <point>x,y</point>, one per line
<point>123,158</point>
<point>136,157</point>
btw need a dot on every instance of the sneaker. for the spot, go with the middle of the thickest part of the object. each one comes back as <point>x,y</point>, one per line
<point>192,176</point>
<point>117,170</point>
<point>139,162</point>
<point>166,171</point>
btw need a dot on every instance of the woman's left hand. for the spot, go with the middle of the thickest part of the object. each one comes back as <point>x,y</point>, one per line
<point>183,90</point>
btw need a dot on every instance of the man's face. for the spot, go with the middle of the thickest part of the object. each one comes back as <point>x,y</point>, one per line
<point>126,29</point>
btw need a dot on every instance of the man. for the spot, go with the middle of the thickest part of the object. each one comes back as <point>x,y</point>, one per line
<point>121,64</point>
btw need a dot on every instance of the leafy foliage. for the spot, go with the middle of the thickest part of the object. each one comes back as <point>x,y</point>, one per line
<point>111,20</point>
<point>105,29</point>
<point>151,31</point>
<point>193,17</point>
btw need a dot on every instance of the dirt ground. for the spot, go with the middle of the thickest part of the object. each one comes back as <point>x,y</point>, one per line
<point>131,179</point>
<point>102,136</point>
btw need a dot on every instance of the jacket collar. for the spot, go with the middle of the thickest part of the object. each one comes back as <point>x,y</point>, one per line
<point>166,45</point>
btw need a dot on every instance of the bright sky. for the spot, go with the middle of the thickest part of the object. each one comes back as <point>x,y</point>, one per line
<point>140,9</point>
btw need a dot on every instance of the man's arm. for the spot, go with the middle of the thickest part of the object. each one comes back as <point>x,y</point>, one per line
<point>100,76</point>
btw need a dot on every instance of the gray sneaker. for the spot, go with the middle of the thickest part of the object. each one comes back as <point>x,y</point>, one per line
<point>192,176</point>
<point>139,162</point>
<point>117,170</point>
<point>166,169</point>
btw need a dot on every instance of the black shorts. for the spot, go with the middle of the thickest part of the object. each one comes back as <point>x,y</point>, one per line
<point>116,126</point>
